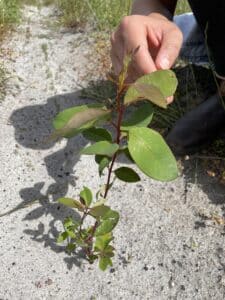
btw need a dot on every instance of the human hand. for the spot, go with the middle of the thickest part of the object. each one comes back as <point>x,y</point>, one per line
<point>159,42</point>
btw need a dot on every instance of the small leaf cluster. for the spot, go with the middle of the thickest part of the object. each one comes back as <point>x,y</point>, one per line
<point>95,239</point>
<point>130,136</point>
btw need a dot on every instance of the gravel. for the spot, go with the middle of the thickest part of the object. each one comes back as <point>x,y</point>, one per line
<point>170,239</point>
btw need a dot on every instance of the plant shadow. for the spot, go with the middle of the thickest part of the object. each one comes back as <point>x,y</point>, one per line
<point>32,124</point>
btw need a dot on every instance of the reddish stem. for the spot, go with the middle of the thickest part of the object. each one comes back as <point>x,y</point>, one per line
<point>120,109</point>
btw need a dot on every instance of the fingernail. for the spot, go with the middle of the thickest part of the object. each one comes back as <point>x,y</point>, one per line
<point>164,63</point>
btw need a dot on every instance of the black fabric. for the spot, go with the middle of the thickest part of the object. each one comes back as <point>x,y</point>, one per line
<point>210,15</point>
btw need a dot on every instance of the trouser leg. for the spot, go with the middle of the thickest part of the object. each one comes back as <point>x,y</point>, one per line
<point>210,15</point>
<point>193,48</point>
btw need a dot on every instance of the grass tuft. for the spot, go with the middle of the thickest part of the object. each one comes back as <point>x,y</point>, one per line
<point>104,14</point>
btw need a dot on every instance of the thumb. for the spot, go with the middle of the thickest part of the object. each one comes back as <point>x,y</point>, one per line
<point>169,50</point>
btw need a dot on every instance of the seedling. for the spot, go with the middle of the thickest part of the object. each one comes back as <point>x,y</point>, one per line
<point>143,146</point>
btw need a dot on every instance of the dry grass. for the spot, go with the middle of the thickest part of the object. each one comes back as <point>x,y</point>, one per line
<point>103,14</point>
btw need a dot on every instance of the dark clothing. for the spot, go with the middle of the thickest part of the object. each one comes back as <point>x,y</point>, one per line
<point>210,15</point>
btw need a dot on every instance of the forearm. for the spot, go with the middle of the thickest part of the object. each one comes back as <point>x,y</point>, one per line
<point>146,7</point>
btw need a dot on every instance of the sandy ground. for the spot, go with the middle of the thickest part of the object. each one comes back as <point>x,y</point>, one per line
<point>168,244</point>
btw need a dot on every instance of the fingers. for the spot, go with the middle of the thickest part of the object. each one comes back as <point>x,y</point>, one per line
<point>130,35</point>
<point>117,53</point>
<point>142,60</point>
<point>170,47</point>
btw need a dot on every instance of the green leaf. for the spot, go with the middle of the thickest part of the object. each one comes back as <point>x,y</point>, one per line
<point>123,73</point>
<point>140,118</point>
<point>110,220</point>
<point>156,87</point>
<point>68,222</point>
<point>101,201</point>
<point>104,262</point>
<point>151,93</point>
<point>103,162</point>
<point>99,211</point>
<point>103,241</point>
<point>111,215</point>
<point>127,174</point>
<point>71,203</point>
<point>71,234</point>
<point>97,134</point>
<point>74,120</point>
<point>86,195</point>
<point>70,247</point>
<point>101,148</point>
<point>105,227</point>
<point>62,237</point>
<point>151,154</point>
<point>108,251</point>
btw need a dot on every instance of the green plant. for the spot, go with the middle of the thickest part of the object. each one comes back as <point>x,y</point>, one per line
<point>3,79</point>
<point>129,136</point>
<point>9,12</point>
<point>182,7</point>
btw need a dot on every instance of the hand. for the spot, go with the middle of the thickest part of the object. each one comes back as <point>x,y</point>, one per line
<point>159,39</point>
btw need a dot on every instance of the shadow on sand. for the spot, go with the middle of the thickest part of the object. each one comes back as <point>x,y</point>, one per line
<point>32,124</point>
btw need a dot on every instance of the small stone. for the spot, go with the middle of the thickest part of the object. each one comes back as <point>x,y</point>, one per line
<point>171,283</point>
<point>145,268</point>
<point>48,281</point>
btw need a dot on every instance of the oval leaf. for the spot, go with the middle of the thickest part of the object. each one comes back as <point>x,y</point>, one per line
<point>164,81</point>
<point>97,134</point>
<point>101,148</point>
<point>86,195</point>
<point>74,120</point>
<point>110,220</point>
<point>104,262</point>
<point>139,118</point>
<point>99,211</point>
<point>71,203</point>
<point>105,227</point>
<point>103,162</point>
<point>151,93</point>
<point>151,154</point>
<point>127,174</point>
<point>103,241</point>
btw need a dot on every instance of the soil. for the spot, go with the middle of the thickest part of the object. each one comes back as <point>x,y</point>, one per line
<point>170,239</point>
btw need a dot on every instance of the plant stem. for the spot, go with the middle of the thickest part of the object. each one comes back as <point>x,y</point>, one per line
<point>120,110</point>
<point>82,220</point>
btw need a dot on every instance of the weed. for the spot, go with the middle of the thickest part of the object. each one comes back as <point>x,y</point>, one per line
<point>104,14</point>
<point>44,48</point>
<point>2,82</point>
<point>9,14</point>
<point>182,7</point>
